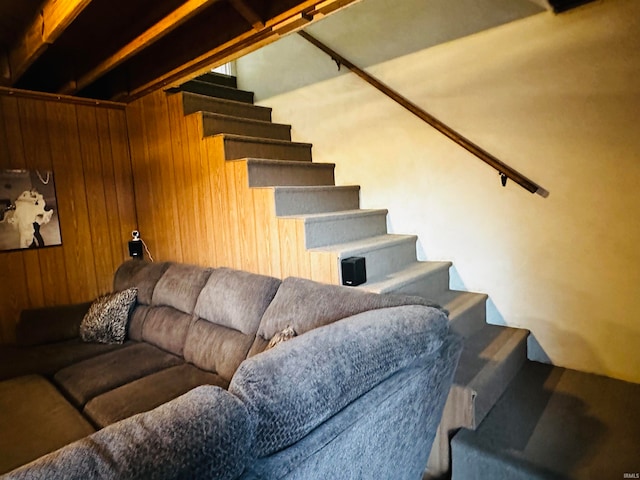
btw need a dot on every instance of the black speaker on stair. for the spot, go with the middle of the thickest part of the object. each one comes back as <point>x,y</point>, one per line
<point>354,271</point>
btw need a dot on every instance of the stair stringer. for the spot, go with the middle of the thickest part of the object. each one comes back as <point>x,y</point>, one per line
<point>260,241</point>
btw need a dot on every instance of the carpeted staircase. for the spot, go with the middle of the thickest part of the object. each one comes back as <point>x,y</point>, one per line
<point>332,223</point>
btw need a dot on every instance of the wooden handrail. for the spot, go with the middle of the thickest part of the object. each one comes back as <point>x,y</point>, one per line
<point>505,170</point>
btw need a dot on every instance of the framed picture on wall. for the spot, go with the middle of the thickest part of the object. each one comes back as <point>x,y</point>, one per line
<point>28,210</point>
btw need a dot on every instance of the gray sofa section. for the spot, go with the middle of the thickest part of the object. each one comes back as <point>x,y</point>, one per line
<point>367,373</point>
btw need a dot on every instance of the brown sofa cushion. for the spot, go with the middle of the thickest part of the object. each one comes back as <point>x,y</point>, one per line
<point>148,393</point>
<point>141,275</point>
<point>236,299</point>
<point>136,322</point>
<point>94,376</point>
<point>216,348</point>
<point>166,328</point>
<point>35,419</point>
<point>180,286</point>
<point>38,326</point>
<point>48,359</point>
<point>204,434</point>
<point>304,305</point>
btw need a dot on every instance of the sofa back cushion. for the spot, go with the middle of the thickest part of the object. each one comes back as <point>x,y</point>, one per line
<point>228,313</point>
<point>166,322</point>
<point>141,275</point>
<point>215,348</point>
<point>180,286</point>
<point>304,305</point>
<point>236,299</point>
<point>297,385</point>
<point>144,276</point>
<point>166,328</point>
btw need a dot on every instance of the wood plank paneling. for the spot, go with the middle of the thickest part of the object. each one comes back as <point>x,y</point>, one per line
<point>35,132</point>
<point>220,220</point>
<point>125,196</point>
<point>94,210</point>
<point>183,175</point>
<point>217,181</point>
<point>87,148</point>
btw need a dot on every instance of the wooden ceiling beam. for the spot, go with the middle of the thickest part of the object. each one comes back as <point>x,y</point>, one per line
<point>248,13</point>
<point>288,21</point>
<point>52,19</point>
<point>169,23</point>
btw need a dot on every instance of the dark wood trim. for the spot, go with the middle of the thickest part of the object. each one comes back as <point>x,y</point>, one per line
<point>504,169</point>
<point>54,97</point>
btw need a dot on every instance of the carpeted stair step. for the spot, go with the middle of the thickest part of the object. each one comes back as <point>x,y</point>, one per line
<point>271,173</point>
<point>323,229</point>
<point>467,310</point>
<point>384,254</point>
<point>193,102</point>
<point>218,79</point>
<point>554,422</point>
<point>216,123</point>
<point>214,90</point>
<point>294,200</point>
<point>237,147</point>
<point>490,360</point>
<point>425,279</point>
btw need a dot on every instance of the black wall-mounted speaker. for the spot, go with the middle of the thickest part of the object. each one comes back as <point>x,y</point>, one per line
<point>354,271</point>
<point>135,248</point>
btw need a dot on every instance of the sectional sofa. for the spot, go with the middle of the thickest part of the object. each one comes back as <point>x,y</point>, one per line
<point>194,392</point>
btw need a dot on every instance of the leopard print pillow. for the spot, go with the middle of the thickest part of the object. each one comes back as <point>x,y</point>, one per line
<point>107,318</point>
<point>282,336</point>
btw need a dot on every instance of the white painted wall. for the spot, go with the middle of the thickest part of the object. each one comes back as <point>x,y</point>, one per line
<point>556,97</point>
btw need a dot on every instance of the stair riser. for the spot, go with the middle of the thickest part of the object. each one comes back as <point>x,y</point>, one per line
<point>384,261</point>
<point>218,91</point>
<point>214,126</point>
<point>304,174</point>
<point>219,79</point>
<point>238,149</point>
<point>427,286</point>
<point>306,202</point>
<point>502,375</point>
<point>193,103</point>
<point>471,320</point>
<point>322,233</point>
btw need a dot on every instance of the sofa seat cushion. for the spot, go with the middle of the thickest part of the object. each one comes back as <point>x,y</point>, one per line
<point>49,358</point>
<point>147,393</point>
<point>35,419</point>
<point>89,378</point>
<point>297,385</point>
<point>205,433</point>
<point>304,305</point>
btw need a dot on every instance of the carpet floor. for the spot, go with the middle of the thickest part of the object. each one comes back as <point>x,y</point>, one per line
<point>558,423</point>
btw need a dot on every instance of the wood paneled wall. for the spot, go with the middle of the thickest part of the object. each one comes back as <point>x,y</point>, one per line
<point>196,207</point>
<point>86,147</point>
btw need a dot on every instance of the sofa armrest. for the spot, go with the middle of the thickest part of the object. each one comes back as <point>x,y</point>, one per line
<point>205,433</point>
<point>38,326</point>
